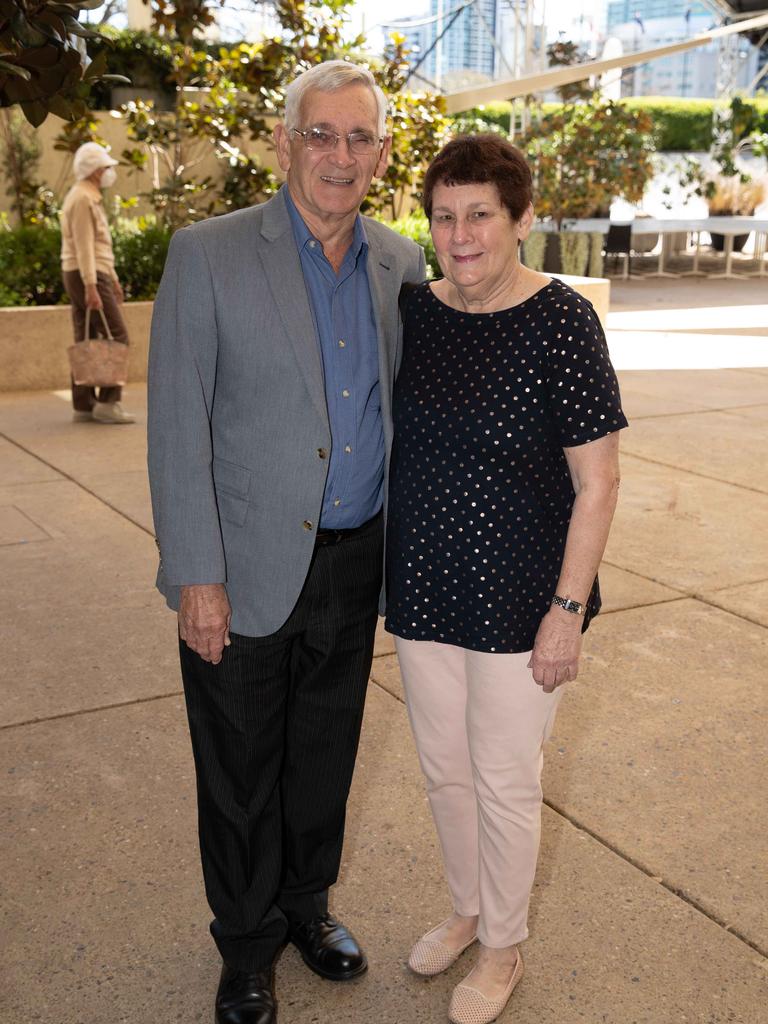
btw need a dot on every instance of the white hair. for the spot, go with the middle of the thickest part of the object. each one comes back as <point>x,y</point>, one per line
<point>328,77</point>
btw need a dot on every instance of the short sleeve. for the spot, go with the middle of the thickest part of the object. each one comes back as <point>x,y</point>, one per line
<point>584,399</point>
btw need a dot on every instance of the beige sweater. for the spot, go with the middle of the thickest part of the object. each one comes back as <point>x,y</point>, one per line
<point>86,244</point>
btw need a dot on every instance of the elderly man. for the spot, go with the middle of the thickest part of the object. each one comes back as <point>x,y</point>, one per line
<point>275,341</point>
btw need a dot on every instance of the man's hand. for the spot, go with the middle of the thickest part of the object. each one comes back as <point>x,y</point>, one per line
<point>204,614</point>
<point>92,297</point>
<point>556,650</point>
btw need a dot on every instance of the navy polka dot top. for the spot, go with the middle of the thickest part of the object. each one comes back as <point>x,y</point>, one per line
<point>480,495</point>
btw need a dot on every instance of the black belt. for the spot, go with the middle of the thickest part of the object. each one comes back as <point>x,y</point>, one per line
<point>325,537</point>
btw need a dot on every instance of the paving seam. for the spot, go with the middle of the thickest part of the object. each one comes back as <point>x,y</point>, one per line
<point>653,604</point>
<point>673,890</point>
<point>728,611</point>
<point>91,711</point>
<point>76,482</point>
<point>693,472</point>
<point>651,579</point>
<point>733,586</point>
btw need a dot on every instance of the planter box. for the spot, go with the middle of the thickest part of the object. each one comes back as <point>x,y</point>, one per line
<point>596,289</point>
<point>34,342</point>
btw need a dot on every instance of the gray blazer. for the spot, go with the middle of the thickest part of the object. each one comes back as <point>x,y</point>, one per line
<point>237,409</point>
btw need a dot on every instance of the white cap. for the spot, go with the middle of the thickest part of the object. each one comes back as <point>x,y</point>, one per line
<point>89,158</point>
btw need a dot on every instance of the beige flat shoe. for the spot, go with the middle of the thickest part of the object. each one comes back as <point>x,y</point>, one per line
<point>470,1006</point>
<point>430,956</point>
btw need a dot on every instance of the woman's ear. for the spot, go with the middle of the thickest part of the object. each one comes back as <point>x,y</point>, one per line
<point>525,223</point>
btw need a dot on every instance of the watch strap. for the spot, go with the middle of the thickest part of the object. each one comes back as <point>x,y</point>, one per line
<point>575,607</point>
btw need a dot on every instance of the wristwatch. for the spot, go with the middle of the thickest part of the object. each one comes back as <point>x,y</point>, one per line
<point>570,606</point>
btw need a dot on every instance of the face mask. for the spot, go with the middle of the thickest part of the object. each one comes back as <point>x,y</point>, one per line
<point>108,178</point>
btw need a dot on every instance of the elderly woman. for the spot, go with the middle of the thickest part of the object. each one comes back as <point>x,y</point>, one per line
<point>88,271</point>
<point>503,486</point>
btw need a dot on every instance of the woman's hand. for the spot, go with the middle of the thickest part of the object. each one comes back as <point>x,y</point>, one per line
<point>556,650</point>
<point>92,297</point>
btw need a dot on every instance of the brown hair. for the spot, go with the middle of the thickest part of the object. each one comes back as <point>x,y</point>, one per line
<point>480,160</point>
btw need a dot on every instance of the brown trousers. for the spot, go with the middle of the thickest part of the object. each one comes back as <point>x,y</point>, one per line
<point>84,397</point>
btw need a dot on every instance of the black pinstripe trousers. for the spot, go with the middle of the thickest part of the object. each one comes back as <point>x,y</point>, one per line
<point>275,729</point>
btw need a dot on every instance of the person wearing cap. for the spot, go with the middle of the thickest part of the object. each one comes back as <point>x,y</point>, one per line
<point>88,271</point>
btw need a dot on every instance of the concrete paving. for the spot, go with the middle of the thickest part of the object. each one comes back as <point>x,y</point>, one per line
<point>650,900</point>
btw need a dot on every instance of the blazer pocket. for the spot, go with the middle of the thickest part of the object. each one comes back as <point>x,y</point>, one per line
<point>232,508</point>
<point>232,483</point>
<point>229,477</point>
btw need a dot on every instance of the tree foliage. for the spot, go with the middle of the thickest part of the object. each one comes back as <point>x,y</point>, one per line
<point>587,151</point>
<point>584,155</point>
<point>222,103</point>
<point>41,67</point>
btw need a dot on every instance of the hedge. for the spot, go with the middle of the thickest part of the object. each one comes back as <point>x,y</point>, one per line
<point>30,264</point>
<point>682,125</point>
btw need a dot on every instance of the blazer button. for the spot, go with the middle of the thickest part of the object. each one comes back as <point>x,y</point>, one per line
<point>322,453</point>
<point>307,525</point>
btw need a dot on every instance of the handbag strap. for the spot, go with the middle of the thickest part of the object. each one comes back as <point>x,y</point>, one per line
<point>88,324</point>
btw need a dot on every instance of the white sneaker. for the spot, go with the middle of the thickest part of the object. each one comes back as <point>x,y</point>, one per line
<point>111,412</point>
<point>79,416</point>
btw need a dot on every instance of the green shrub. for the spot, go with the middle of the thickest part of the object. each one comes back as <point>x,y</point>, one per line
<point>139,259</point>
<point>416,227</point>
<point>30,267</point>
<point>681,125</point>
<point>30,263</point>
<point>489,115</point>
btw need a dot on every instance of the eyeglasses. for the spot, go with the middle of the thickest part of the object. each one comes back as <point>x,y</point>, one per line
<point>323,140</point>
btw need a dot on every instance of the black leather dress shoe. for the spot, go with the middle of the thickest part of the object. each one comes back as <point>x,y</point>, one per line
<point>328,948</point>
<point>245,997</point>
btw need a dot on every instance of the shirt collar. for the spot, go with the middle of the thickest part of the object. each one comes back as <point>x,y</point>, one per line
<point>304,236</point>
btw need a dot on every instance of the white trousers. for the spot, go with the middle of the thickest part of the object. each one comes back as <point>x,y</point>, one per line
<point>480,722</point>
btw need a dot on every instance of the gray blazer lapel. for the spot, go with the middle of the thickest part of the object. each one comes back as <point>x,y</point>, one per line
<point>282,268</point>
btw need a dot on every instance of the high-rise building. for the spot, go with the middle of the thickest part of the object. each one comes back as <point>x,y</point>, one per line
<point>622,12</point>
<point>453,46</point>
<point>459,43</point>
<point>645,24</point>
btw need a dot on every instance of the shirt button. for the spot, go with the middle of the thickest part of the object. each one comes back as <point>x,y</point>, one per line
<point>342,343</point>
<point>337,502</point>
<point>322,453</point>
<point>307,525</point>
<point>345,392</point>
<point>312,244</point>
<point>348,449</point>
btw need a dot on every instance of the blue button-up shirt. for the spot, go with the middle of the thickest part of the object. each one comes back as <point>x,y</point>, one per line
<point>343,312</point>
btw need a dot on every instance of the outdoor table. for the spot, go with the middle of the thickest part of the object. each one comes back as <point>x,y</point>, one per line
<point>667,226</point>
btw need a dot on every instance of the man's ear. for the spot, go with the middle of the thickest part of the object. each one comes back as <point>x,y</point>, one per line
<point>282,146</point>
<point>381,166</point>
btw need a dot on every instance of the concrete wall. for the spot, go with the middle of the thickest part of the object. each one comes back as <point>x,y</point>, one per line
<point>34,341</point>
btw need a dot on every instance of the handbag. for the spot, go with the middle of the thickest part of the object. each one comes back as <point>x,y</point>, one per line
<point>98,362</point>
